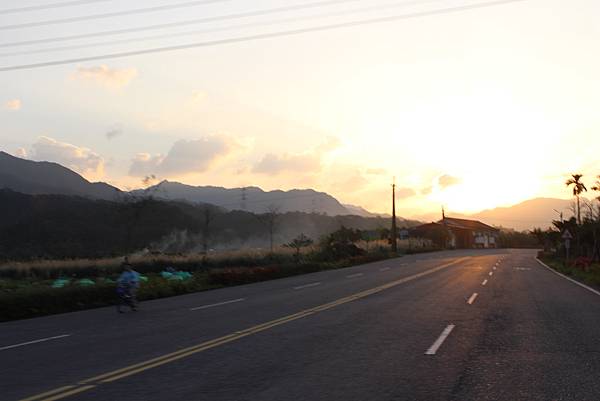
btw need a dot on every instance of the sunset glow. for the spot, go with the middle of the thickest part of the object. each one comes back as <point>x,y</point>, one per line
<point>504,108</point>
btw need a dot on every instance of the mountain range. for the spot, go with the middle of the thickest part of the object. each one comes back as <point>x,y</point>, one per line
<point>36,178</point>
<point>44,178</point>
<point>47,178</point>
<point>251,199</point>
<point>532,213</point>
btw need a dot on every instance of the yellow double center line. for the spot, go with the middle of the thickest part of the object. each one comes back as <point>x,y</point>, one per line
<point>87,384</point>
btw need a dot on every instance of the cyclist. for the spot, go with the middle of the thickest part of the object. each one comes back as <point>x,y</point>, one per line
<point>127,286</point>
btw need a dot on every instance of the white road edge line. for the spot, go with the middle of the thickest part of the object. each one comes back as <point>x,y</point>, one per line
<point>484,282</point>
<point>355,275</point>
<point>34,342</point>
<point>383,269</point>
<point>218,304</point>
<point>472,299</point>
<point>438,343</point>
<point>307,285</point>
<point>568,278</point>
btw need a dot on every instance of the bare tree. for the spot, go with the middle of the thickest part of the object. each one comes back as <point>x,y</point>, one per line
<point>270,219</point>
<point>208,215</point>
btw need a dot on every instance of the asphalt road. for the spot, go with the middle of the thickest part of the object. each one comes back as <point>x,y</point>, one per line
<point>411,328</point>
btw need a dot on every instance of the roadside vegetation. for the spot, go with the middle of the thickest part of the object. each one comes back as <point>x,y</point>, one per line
<point>572,246</point>
<point>42,287</point>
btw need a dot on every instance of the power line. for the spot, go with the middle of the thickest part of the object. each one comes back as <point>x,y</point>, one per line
<point>261,36</point>
<point>110,15</point>
<point>49,6</point>
<point>221,29</point>
<point>182,23</point>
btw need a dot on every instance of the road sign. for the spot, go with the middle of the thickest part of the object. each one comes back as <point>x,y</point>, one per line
<point>566,235</point>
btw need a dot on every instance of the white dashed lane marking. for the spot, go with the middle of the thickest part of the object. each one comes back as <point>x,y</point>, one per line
<point>218,304</point>
<point>307,285</point>
<point>438,343</point>
<point>41,340</point>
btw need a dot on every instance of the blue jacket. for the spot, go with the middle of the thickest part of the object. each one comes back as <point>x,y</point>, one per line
<point>129,279</point>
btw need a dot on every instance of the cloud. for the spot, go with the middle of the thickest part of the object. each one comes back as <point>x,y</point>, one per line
<point>21,152</point>
<point>301,163</point>
<point>114,132</point>
<point>103,75</point>
<point>426,190</point>
<point>331,143</point>
<point>185,156</point>
<point>446,181</point>
<point>145,164</point>
<point>376,171</point>
<point>13,104</point>
<point>355,182</point>
<point>404,193</point>
<point>79,159</point>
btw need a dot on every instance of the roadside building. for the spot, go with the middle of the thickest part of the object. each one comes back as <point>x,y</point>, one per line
<point>451,232</point>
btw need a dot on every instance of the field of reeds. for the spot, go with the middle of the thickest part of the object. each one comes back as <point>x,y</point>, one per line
<point>42,287</point>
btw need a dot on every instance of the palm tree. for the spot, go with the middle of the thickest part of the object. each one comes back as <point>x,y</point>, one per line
<point>578,189</point>
<point>596,186</point>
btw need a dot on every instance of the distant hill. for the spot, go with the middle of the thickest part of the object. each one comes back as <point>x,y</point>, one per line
<point>538,212</point>
<point>532,213</point>
<point>361,211</point>
<point>39,178</point>
<point>251,199</point>
<point>59,226</point>
<point>31,177</point>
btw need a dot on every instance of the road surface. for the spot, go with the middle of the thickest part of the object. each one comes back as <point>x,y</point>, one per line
<point>455,325</point>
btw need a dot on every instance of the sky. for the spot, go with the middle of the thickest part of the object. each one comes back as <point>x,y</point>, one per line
<point>469,109</point>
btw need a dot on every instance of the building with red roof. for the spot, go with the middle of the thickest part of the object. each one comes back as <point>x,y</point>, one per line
<point>451,232</point>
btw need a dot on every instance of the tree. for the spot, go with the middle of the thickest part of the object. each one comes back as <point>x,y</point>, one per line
<point>301,241</point>
<point>270,220</point>
<point>578,189</point>
<point>596,186</point>
<point>367,236</point>
<point>208,215</point>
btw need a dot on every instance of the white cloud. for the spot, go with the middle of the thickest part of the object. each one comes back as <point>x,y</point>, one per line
<point>21,152</point>
<point>13,104</point>
<point>446,181</point>
<point>185,157</point>
<point>404,193</point>
<point>144,164</point>
<point>272,164</point>
<point>376,171</point>
<point>330,144</point>
<point>426,190</point>
<point>79,159</point>
<point>113,78</point>
<point>351,183</point>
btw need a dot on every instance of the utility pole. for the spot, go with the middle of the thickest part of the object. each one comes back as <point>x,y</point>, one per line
<point>244,197</point>
<point>394,234</point>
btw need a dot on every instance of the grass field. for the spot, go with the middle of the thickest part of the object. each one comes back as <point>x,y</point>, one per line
<point>27,288</point>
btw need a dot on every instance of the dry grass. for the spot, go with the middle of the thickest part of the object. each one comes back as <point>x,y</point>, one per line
<point>54,268</point>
